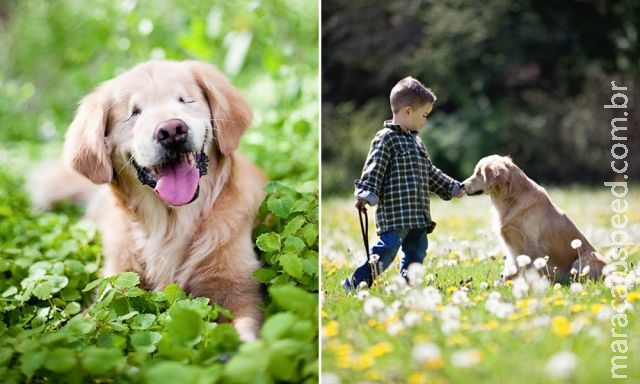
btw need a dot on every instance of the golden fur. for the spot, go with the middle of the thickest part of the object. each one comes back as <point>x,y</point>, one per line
<point>530,224</point>
<point>204,245</point>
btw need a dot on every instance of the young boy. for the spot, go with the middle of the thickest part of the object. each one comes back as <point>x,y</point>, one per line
<point>398,176</point>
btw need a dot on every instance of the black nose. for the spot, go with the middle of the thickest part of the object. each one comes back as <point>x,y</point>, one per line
<point>172,133</point>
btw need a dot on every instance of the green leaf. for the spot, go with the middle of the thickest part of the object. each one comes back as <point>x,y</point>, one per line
<point>248,366</point>
<point>172,372</point>
<point>173,292</point>
<point>310,234</point>
<point>269,242</point>
<point>295,299</point>
<point>99,361</point>
<point>10,291</point>
<point>31,361</point>
<point>5,355</point>
<point>61,360</point>
<point>143,321</point>
<point>145,341</point>
<point>280,205</point>
<point>284,362</point>
<point>291,264</point>
<point>185,326</point>
<point>126,280</point>
<point>294,244</point>
<point>278,326</point>
<point>265,275</point>
<point>294,225</point>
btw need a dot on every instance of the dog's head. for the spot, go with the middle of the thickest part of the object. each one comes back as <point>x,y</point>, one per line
<point>157,124</point>
<point>490,175</point>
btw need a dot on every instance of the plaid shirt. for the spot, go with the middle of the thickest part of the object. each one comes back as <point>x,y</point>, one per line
<point>398,176</point>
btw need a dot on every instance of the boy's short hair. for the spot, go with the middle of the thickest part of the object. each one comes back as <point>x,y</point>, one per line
<point>410,92</point>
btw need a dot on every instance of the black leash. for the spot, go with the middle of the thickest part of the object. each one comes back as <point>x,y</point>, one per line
<point>364,229</point>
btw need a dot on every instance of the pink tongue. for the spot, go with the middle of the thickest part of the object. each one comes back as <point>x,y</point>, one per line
<point>177,184</point>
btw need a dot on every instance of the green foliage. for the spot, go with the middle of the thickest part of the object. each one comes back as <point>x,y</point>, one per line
<point>60,322</point>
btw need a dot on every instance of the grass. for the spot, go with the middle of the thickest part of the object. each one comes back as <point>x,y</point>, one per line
<point>462,324</point>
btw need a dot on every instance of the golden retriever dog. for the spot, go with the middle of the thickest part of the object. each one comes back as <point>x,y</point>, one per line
<point>179,203</point>
<point>530,224</point>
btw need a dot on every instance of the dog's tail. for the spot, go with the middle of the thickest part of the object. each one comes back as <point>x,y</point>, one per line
<point>52,182</point>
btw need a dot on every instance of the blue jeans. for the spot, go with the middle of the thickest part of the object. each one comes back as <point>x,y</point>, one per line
<point>414,245</point>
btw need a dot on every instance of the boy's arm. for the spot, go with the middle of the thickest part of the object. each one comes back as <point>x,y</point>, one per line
<point>441,184</point>
<point>369,185</point>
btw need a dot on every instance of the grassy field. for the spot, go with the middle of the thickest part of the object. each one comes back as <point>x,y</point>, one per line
<point>461,324</point>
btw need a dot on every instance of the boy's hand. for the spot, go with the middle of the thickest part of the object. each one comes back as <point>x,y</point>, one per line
<point>361,204</point>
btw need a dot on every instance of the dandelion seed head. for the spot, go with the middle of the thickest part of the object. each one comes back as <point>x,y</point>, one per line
<point>576,287</point>
<point>540,262</point>
<point>523,260</point>
<point>415,273</point>
<point>426,352</point>
<point>573,271</point>
<point>466,358</point>
<point>585,270</point>
<point>561,365</point>
<point>373,305</point>
<point>576,243</point>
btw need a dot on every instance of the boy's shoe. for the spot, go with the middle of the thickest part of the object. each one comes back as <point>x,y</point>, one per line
<point>348,286</point>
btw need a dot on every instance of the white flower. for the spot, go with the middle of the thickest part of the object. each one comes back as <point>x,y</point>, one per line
<point>426,352</point>
<point>561,365</point>
<point>362,294</point>
<point>415,273</point>
<point>523,260</point>
<point>540,263</point>
<point>573,271</point>
<point>576,288</point>
<point>459,297</point>
<point>411,319</point>
<point>466,358</point>
<point>576,243</point>
<point>373,305</point>
<point>330,378</point>
<point>395,328</point>
<point>585,270</point>
<point>484,285</point>
<point>520,288</point>
<point>374,258</point>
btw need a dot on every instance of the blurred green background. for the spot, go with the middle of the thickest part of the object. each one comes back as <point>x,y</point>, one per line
<point>522,78</point>
<point>54,52</point>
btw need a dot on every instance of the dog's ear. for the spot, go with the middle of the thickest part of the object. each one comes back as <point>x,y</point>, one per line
<point>492,176</point>
<point>230,113</point>
<point>86,148</point>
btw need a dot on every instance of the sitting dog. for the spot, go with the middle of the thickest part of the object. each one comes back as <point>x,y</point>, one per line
<point>175,201</point>
<point>530,224</point>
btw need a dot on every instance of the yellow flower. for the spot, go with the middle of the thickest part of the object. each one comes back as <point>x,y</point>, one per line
<point>491,325</point>
<point>343,353</point>
<point>633,296</point>
<point>417,378</point>
<point>435,364</point>
<point>576,308</point>
<point>595,308</point>
<point>374,376</point>
<point>363,362</point>
<point>451,289</point>
<point>560,326</point>
<point>331,329</point>
<point>380,349</point>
